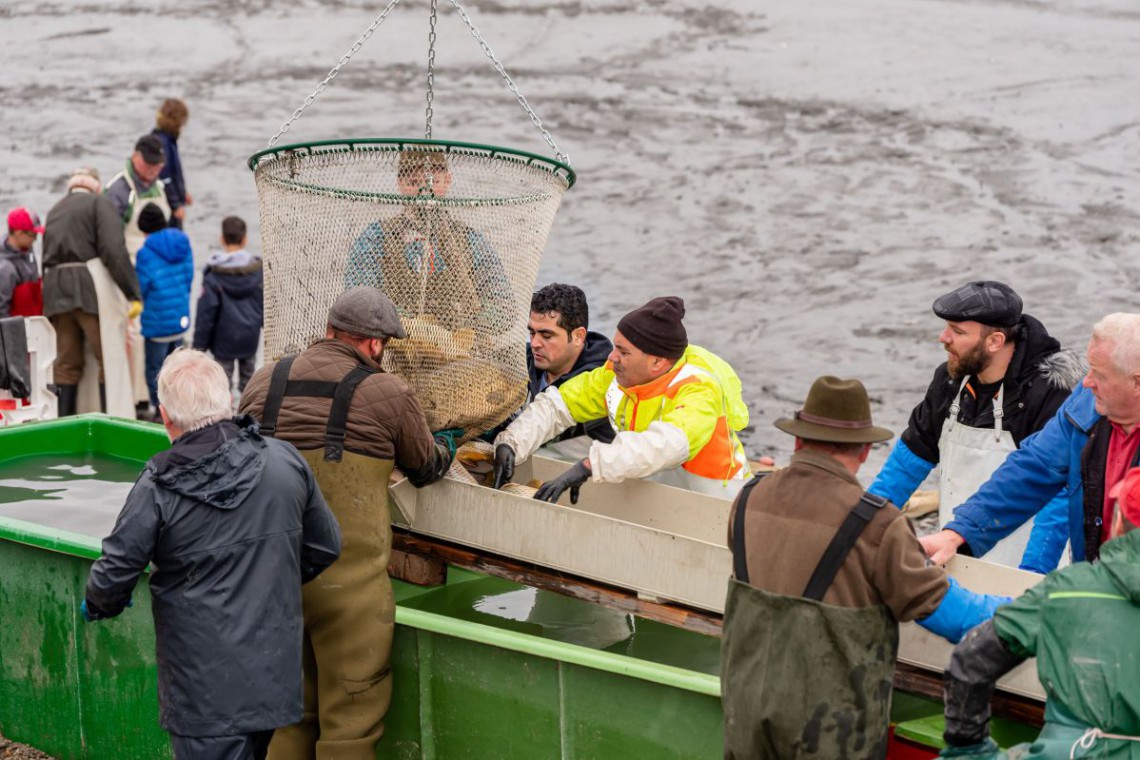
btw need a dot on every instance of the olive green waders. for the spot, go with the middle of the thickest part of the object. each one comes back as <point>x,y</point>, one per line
<point>800,678</point>
<point>349,609</point>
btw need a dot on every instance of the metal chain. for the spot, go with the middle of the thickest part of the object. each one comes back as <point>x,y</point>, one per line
<point>335,70</point>
<point>430,70</point>
<point>510,82</point>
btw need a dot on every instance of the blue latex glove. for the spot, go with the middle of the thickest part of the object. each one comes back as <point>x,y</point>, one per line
<point>572,479</point>
<point>449,438</point>
<point>902,473</point>
<point>959,611</point>
<point>988,748</point>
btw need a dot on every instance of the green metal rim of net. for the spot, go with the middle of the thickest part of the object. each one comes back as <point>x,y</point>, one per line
<point>393,144</point>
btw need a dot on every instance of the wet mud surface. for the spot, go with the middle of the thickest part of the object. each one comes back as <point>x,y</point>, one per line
<point>808,176</point>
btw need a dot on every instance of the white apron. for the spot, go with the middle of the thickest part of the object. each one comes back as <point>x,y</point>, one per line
<point>968,457</point>
<point>113,332</point>
<point>135,239</point>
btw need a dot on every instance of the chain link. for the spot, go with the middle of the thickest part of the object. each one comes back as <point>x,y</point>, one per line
<point>430,70</point>
<point>510,82</point>
<point>335,70</point>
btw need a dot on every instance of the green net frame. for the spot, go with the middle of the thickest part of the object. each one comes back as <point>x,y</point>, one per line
<point>452,232</point>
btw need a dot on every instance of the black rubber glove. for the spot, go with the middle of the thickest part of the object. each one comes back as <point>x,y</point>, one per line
<point>504,465</point>
<point>979,660</point>
<point>572,479</point>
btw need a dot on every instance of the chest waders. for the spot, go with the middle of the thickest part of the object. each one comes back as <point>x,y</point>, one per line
<point>349,609</point>
<point>800,678</point>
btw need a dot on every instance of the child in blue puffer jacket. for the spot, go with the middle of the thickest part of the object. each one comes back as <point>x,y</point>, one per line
<point>165,266</point>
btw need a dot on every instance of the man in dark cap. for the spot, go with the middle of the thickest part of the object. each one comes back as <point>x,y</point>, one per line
<point>1082,453</point>
<point>353,423</point>
<point>676,408</point>
<point>137,185</point>
<point>818,561</point>
<point>1003,379</point>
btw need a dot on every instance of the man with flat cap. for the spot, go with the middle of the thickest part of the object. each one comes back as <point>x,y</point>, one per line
<point>353,423</point>
<point>823,573</point>
<point>137,185</point>
<point>1004,377</point>
<point>676,408</point>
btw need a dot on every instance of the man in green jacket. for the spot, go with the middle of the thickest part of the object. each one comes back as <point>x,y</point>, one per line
<point>1081,624</point>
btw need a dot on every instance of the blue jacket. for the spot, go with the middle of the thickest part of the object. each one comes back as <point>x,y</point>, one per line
<point>1047,462</point>
<point>230,309</point>
<point>165,266</point>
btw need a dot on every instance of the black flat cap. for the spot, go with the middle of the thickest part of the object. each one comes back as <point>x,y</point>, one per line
<point>151,149</point>
<point>989,302</point>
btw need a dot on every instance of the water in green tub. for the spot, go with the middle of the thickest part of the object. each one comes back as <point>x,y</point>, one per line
<point>81,493</point>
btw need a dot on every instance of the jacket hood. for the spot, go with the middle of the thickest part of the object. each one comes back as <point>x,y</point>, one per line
<point>1120,558</point>
<point>736,411</point>
<point>220,261</point>
<point>219,464</point>
<point>1039,351</point>
<point>170,244</point>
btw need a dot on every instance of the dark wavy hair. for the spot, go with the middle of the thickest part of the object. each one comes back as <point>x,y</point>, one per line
<point>567,301</point>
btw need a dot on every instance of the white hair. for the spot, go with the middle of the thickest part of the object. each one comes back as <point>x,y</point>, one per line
<point>85,177</point>
<point>194,390</point>
<point>1122,332</point>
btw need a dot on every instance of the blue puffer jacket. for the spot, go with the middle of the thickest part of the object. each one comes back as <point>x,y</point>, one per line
<point>1047,462</point>
<point>165,266</point>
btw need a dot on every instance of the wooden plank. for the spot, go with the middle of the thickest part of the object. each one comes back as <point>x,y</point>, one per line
<point>417,569</point>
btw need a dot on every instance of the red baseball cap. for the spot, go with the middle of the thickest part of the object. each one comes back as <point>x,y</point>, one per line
<point>1127,495</point>
<point>25,220</point>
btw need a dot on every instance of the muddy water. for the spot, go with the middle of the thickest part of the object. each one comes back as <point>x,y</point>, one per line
<point>808,176</point>
<point>82,494</point>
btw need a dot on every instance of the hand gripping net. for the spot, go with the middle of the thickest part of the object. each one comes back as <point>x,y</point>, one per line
<point>451,232</point>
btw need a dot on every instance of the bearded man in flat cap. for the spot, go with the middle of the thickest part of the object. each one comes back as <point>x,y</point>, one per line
<point>1004,377</point>
<point>823,573</point>
<point>353,423</point>
<point>676,408</point>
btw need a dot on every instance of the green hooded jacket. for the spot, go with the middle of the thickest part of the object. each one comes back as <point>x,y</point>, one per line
<point>1082,624</point>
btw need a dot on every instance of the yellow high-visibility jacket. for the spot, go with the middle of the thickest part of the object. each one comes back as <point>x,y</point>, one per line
<point>687,418</point>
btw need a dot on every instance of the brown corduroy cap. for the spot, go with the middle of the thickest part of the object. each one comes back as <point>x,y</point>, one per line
<point>836,411</point>
<point>656,327</point>
<point>367,312</point>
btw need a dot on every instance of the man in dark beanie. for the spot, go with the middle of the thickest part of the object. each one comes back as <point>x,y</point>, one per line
<point>1004,377</point>
<point>676,408</point>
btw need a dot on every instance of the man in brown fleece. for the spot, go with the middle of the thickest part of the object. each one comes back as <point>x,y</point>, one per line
<point>823,574</point>
<point>353,423</point>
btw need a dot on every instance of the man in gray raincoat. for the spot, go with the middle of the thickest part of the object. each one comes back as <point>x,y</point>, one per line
<point>234,524</point>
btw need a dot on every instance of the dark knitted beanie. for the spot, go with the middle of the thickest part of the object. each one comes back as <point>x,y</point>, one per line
<point>656,327</point>
<point>151,219</point>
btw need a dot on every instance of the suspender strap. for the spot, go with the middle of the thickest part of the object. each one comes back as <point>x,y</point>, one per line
<point>739,558</point>
<point>842,544</point>
<point>275,395</point>
<point>338,415</point>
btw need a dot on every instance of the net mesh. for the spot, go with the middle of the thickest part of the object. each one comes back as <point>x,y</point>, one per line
<point>453,235</point>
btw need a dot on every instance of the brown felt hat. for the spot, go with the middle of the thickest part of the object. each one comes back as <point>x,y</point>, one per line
<point>836,411</point>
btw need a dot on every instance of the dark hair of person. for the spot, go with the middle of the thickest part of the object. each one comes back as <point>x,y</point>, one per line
<point>1012,334</point>
<point>233,230</point>
<point>567,301</point>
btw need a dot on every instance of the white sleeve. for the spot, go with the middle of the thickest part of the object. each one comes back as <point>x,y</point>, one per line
<point>544,418</point>
<point>659,447</point>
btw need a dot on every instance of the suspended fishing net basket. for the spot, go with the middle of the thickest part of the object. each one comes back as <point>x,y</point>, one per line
<point>451,232</point>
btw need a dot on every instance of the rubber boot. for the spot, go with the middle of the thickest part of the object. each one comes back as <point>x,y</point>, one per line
<point>68,397</point>
<point>102,398</point>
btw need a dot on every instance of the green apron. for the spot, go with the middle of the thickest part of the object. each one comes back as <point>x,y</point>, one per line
<point>1062,736</point>
<point>800,678</point>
